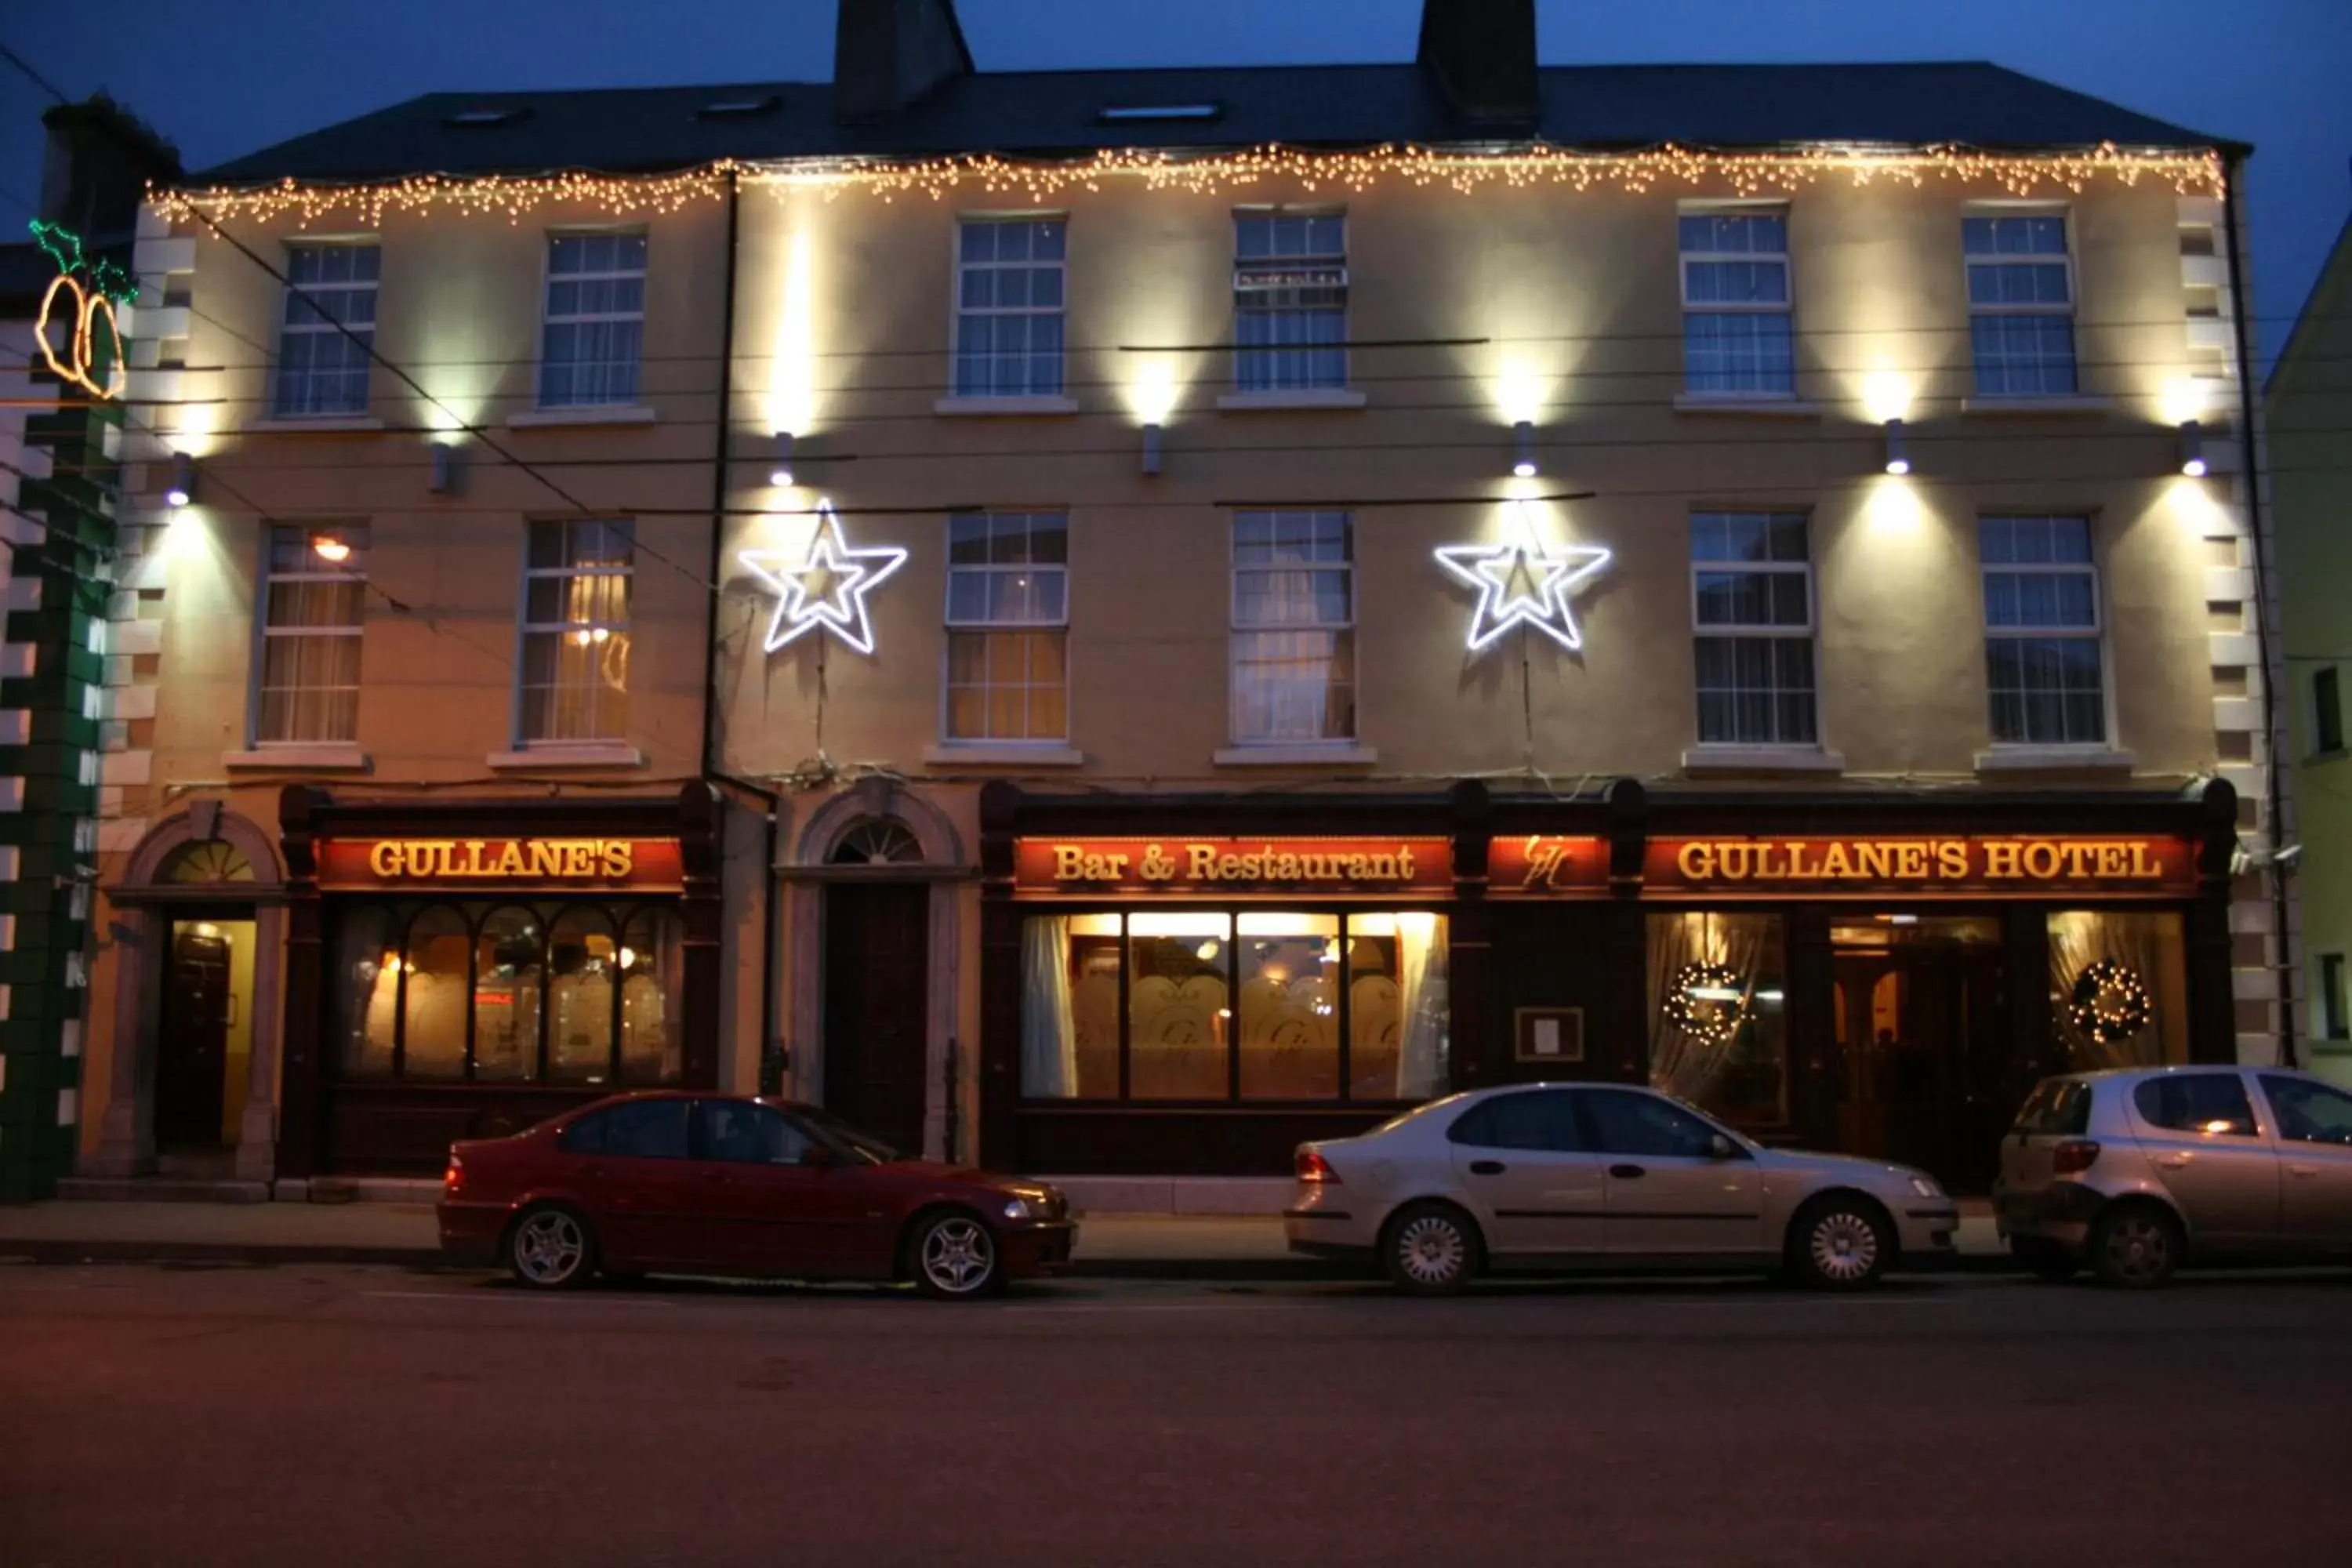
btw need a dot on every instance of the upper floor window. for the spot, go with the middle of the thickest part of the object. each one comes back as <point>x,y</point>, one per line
<point>595,336</point>
<point>2327,710</point>
<point>313,604</point>
<point>1736,338</point>
<point>2042,631</point>
<point>1008,626</point>
<point>1009,277</point>
<point>1293,648</point>
<point>2020,304</point>
<point>574,674</point>
<point>321,369</point>
<point>1752,612</point>
<point>1290,300</point>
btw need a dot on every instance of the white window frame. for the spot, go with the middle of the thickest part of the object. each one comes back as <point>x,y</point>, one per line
<point>1236,630</point>
<point>2096,633</point>
<point>1787,308</point>
<point>954,625</point>
<point>324,329</point>
<point>263,632</point>
<point>549,278</point>
<point>1808,633</point>
<point>2066,217</point>
<point>525,627</point>
<point>1274,275</point>
<point>956,306</point>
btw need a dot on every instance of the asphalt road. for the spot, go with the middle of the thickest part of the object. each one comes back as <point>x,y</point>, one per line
<point>358,1417</point>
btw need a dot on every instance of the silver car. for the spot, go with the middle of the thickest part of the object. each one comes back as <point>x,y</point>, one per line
<point>2137,1170</point>
<point>1541,1175</point>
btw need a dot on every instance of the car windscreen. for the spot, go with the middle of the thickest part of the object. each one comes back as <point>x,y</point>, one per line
<point>859,1145</point>
<point>2058,1108</point>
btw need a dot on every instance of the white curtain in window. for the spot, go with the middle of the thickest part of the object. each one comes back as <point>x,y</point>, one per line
<point>1682,1063</point>
<point>1049,1035</point>
<point>2079,938</point>
<point>1422,972</point>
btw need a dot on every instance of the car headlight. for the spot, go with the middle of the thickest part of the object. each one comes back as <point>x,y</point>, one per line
<point>1926,1187</point>
<point>1021,1208</point>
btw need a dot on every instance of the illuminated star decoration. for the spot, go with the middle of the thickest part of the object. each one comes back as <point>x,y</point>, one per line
<point>1522,584</point>
<point>826,586</point>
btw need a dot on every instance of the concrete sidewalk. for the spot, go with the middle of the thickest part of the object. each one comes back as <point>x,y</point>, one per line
<point>1110,1246</point>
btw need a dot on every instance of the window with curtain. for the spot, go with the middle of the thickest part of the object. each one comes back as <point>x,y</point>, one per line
<point>1008,626</point>
<point>437,980</point>
<point>2043,631</point>
<point>1008,325</point>
<point>583,961</point>
<point>1752,602</point>
<point>1718,1014</point>
<point>594,338</point>
<point>2099,959</point>
<point>1293,638</point>
<point>328,327</point>
<point>1736,338</point>
<point>575,631</point>
<point>313,615</point>
<point>1223,1004</point>
<point>2020,303</point>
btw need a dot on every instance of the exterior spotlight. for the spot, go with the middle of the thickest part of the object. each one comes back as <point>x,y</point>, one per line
<point>782,473</point>
<point>1524,434</point>
<point>183,488</point>
<point>330,547</point>
<point>445,468</point>
<point>1152,448</point>
<point>2192,449</point>
<point>1898,461</point>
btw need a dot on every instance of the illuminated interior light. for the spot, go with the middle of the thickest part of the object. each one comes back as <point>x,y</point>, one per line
<point>1521,582</point>
<point>182,488</point>
<point>2192,448</point>
<point>1524,435</point>
<point>330,547</point>
<point>826,586</point>
<point>1151,448</point>
<point>1898,461</point>
<point>780,475</point>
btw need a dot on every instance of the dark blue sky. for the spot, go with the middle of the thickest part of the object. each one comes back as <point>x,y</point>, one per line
<point>225,76</point>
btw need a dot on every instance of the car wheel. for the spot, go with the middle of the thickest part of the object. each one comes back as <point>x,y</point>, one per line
<point>2044,1259</point>
<point>1839,1244</point>
<point>552,1248</point>
<point>1430,1249</point>
<point>2136,1246</point>
<point>954,1258</point>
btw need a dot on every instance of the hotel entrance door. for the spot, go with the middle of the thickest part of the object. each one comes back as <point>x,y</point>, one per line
<point>1925,1070</point>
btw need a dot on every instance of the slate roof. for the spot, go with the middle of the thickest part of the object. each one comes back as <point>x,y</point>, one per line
<point>1054,113</point>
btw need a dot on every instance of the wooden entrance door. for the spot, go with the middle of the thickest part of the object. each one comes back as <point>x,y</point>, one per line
<point>191,1047</point>
<point>877,998</point>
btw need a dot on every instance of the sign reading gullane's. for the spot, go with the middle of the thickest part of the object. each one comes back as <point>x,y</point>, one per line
<point>464,862</point>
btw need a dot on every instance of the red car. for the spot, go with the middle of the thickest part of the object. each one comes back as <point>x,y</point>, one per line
<point>743,1187</point>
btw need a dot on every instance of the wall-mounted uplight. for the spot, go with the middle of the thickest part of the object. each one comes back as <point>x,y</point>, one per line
<point>2192,448</point>
<point>330,547</point>
<point>1523,438</point>
<point>1899,459</point>
<point>182,488</point>
<point>444,468</point>
<point>781,473</point>
<point>1152,448</point>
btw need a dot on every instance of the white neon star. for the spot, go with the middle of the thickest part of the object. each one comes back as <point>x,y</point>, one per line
<point>826,587</point>
<point>1520,583</point>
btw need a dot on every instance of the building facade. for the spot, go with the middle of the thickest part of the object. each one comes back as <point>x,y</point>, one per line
<point>1168,611</point>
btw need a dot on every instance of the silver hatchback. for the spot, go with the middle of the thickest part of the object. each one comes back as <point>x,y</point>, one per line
<point>2137,1171</point>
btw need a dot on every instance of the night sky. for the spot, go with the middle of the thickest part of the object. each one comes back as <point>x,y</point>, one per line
<point>225,76</point>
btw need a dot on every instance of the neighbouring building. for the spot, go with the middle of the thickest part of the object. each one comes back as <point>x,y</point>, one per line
<point>2309,403</point>
<point>1111,621</point>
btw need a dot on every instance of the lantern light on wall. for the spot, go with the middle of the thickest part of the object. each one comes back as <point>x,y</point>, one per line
<point>781,474</point>
<point>1152,448</point>
<point>182,488</point>
<point>2192,449</point>
<point>1898,458</point>
<point>445,468</point>
<point>1523,436</point>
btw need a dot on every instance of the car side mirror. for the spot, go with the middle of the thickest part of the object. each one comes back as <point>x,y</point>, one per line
<point>818,1157</point>
<point>1722,1148</point>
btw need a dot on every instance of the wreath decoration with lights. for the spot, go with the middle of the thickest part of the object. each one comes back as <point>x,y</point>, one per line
<point>1711,1020</point>
<point>2110,1003</point>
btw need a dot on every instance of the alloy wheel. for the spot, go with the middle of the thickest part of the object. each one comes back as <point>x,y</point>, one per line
<point>1431,1251</point>
<point>2139,1249</point>
<point>959,1256</point>
<point>1843,1246</point>
<point>549,1248</point>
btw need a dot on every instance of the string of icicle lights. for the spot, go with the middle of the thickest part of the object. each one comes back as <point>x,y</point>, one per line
<point>512,197</point>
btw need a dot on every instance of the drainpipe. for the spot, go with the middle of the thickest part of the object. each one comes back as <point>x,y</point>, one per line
<point>2273,736</point>
<point>721,487</point>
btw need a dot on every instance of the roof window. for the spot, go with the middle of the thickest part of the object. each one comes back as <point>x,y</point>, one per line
<point>1126,114</point>
<point>738,107</point>
<point>487,115</point>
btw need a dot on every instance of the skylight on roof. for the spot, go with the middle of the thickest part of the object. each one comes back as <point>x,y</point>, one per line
<point>488,114</point>
<point>737,107</point>
<point>1121,114</point>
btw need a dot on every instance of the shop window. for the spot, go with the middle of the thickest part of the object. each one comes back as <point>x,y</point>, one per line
<point>584,957</point>
<point>363,993</point>
<point>1214,1006</point>
<point>653,976</point>
<point>1718,1015</point>
<point>436,977</point>
<point>507,952</point>
<point>2118,988</point>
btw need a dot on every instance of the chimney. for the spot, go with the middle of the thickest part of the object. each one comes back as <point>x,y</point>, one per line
<point>1483,54</point>
<point>95,169</point>
<point>890,54</point>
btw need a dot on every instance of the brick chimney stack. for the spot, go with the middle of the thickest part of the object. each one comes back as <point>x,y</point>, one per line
<point>1483,54</point>
<point>888,55</point>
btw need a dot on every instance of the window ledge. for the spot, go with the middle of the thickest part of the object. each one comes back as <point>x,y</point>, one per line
<point>1002,755</point>
<point>2084,403</point>
<point>319,422</point>
<point>585,754</point>
<point>587,413</point>
<point>1305,397</point>
<point>963,407</point>
<point>2053,759</point>
<point>1757,408</point>
<point>1308,755</point>
<point>1725,759</point>
<point>300,759</point>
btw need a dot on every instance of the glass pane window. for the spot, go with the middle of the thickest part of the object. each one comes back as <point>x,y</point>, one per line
<point>363,993</point>
<point>1718,1014</point>
<point>2020,304</point>
<point>2214,1104</point>
<point>1290,300</point>
<point>653,977</point>
<point>1293,627</point>
<point>437,982</point>
<point>306,689</point>
<point>507,951</point>
<point>1737,339</point>
<point>584,964</point>
<point>326,330</point>
<point>1752,609</point>
<point>1009,307</point>
<point>1009,570</point>
<point>2308,1113</point>
<point>1180,1013</point>
<point>574,674</point>
<point>1287,1022</point>
<point>2118,988</point>
<point>2042,631</point>
<point>593,336</point>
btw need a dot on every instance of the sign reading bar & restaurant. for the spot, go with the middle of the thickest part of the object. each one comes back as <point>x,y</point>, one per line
<point>2008,865</point>
<point>1210,867</point>
<point>638,863</point>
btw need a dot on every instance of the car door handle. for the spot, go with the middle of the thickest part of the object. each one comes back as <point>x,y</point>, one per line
<point>1486,1167</point>
<point>2172,1162</point>
<point>1627,1172</point>
<point>2302,1170</point>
